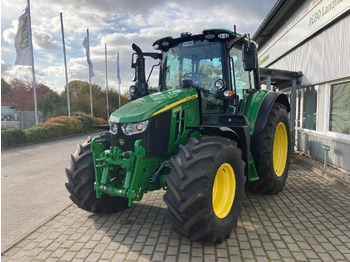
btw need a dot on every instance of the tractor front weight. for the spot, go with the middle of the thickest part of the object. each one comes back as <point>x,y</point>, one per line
<point>123,174</point>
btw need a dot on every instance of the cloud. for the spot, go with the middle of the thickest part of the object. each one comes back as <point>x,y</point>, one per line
<point>23,73</point>
<point>5,67</point>
<point>119,24</point>
<point>9,34</point>
<point>43,40</point>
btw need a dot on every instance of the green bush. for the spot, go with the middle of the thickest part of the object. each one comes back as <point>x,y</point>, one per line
<point>36,133</point>
<point>11,137</point>
<point>55,129</point>
<point>101,121</point>
<point>71,125</point>
<point>51,128</point>
<point>88,121</point>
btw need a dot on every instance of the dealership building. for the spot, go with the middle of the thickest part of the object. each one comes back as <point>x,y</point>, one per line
<point>304,51</point>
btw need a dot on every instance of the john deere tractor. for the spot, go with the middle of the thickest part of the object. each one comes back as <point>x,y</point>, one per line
<point>205,135</point>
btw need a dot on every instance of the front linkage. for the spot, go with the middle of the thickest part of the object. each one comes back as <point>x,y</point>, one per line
<point>126,174</point>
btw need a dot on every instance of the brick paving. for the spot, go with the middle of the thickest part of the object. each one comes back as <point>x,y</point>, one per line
<point>308,221</point>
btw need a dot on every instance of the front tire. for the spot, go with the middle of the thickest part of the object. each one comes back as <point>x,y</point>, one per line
<point>205,188</point>
<point>81,178</point>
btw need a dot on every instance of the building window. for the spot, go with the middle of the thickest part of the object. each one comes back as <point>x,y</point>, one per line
<point>298,124</point>
<point>309,108</point>
<point>340,108</point>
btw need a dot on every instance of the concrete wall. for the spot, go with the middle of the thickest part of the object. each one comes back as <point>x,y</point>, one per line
<point>311,143</point>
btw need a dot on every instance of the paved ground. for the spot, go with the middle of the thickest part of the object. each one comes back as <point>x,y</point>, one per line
<point>32,186</point>
<point>308,221</point>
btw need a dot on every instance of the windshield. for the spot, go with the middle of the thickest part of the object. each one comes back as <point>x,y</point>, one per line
<point>193,63</point>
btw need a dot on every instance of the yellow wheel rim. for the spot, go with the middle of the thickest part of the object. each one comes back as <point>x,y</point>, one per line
<point>224,190</point>
<point>280,149</point>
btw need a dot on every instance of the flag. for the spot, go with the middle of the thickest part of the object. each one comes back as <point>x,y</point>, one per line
<point>23,41</point>
<point>87,48</point>
<point>118,70</point>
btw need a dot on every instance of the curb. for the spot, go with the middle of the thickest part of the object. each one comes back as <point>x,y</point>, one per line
<point>336,181</point>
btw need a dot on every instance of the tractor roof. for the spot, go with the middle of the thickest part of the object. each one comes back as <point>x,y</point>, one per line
<point>212,35</point>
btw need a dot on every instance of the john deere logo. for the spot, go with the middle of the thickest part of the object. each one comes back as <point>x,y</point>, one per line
<point>24,32</point>
<point>121,142</point>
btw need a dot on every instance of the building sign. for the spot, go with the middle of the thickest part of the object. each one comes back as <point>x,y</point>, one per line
<point>318,17</point>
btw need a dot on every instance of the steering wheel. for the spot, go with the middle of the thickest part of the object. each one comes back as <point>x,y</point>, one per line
<point>195,76</point>
<point>187,83</point>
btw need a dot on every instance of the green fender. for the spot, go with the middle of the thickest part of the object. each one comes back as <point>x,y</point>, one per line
<point>256,107</point>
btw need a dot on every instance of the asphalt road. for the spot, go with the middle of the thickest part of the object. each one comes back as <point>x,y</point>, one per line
<point>32,186</point>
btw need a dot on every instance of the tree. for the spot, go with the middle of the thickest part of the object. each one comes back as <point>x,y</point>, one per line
<point>5,87</point>
<point>53,105</point>
<point>22,95</point>
<point>113,100</point>
<point>79,92</point>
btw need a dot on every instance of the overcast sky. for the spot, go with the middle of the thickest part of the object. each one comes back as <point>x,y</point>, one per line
<point>118,23</point>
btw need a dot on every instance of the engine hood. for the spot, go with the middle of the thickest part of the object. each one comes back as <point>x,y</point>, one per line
<point>147,106</point>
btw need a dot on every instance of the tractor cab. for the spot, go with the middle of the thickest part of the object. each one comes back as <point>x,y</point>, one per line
<point>213,63</point>
<point>220,64</point>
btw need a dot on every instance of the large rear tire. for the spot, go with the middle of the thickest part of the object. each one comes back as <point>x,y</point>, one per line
<point>205,188</point>
<point>275,153</point>
<point>81,178</point>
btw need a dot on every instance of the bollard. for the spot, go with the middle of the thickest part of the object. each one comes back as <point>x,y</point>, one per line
<point>326,149</point>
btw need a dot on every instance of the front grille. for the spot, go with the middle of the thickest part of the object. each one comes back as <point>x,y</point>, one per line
<point>155,139</point>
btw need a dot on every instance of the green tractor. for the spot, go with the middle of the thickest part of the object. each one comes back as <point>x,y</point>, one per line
<point>205,135</point>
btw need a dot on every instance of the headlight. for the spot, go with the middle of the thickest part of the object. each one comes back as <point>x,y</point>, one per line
<point>134,128</point>
<point>113,128</point>
<point>132,89</point>
<point>219,84</point>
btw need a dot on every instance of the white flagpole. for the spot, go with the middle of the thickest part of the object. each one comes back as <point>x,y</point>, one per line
<point>118,75</point>
<point>65,65</point>
<point>106,82</point>
<point>33,70</point>
<point>92,112</point>
<point>119,93</point>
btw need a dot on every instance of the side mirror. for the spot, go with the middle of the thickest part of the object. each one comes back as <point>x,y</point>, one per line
<point>249,55</point>
<point>134,67</point>
<point>140,87</point>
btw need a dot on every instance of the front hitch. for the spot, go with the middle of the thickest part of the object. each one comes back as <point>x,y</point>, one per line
<point>107,161</point>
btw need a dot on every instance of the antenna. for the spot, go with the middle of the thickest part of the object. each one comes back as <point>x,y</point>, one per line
<point>248,51</point>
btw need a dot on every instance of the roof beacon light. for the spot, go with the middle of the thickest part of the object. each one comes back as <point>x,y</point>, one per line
<point>223,35</point>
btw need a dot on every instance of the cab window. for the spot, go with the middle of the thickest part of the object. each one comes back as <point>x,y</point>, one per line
<point>240,77</point>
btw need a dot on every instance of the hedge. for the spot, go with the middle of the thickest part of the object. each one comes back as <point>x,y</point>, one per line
<point>88,121</point>
<point>51,128</point>
<point>12,137</point>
